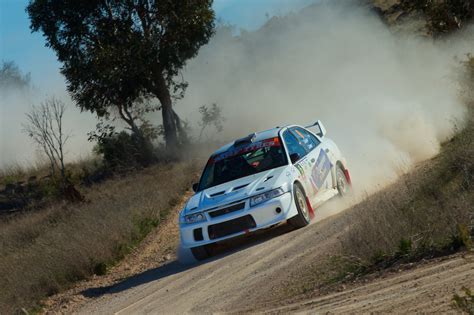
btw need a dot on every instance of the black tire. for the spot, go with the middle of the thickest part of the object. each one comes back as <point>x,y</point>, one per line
<point>303,217</point>
<point>342,185</point>
<point>200,253</point>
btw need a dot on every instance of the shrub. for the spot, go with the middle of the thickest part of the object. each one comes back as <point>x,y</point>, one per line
<point>464,303</point>
<point>124,151</point>
<point>444,16</point>
<point>462,238</point>
<point>404,247</point>
<point>100,269</point>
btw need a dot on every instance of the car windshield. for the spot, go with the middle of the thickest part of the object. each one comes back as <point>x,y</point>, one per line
<point>243,160</point>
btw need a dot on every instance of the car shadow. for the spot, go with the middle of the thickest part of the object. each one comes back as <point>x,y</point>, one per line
<point>218,251</point>
<point>163,271</point>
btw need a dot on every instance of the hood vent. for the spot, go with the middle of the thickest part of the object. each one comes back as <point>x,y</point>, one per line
<point>240,187</point>
<point>268,178</point>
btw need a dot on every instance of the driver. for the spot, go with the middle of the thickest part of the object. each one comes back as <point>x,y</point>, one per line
<point>273,157</point>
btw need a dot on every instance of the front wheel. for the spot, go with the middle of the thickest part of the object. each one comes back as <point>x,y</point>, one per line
<point>303,217</point>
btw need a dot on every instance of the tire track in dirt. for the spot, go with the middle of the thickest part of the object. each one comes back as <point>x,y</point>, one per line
<point>248,277</point>
<point>428,288</point>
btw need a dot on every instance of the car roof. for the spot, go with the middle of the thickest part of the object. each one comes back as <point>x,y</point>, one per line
<point>259,136</point>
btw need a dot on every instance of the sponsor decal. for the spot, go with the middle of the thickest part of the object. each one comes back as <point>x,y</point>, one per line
<point>321,170</point>
<point>300,169</point>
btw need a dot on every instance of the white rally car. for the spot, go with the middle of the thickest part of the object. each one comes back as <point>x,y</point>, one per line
<point>261,180</point>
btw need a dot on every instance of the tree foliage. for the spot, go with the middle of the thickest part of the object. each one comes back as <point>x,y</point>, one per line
<point>116,54</point>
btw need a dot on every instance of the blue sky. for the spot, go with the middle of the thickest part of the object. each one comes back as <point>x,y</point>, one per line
<point>27,50</point>
<point>17,43</point>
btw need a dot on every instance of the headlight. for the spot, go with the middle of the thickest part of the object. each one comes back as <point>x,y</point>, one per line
<point>194,218</point>
<point>258,199</point>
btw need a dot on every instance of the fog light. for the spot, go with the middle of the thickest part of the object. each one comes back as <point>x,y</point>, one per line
<point>278,210</point>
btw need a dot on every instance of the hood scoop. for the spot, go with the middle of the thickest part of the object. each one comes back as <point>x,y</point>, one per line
<point>217,194</point>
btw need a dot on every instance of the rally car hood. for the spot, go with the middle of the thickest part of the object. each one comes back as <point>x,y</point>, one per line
<point>238,189</point>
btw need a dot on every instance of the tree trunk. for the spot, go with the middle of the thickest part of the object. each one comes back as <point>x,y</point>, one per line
<point>169,125</point>
<point>169,122</point>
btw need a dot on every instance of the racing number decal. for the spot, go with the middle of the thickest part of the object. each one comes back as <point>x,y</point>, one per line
<point>321,170</point>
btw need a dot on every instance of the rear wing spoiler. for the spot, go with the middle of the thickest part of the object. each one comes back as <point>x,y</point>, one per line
<point>320,129</point>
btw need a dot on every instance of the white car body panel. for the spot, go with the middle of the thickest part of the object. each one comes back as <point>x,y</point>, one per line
<point>315,172</point>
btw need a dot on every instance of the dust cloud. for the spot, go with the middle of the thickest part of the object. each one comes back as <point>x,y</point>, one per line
<point>388,100</point>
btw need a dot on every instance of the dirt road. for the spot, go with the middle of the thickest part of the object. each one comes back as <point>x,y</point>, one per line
<point>255,274</point>
<point>220,284</point>
<point>426,289</point>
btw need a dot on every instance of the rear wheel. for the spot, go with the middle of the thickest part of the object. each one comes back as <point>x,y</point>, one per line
<point>200,252</point>
<point>342,185</point>
<point>303,218</point>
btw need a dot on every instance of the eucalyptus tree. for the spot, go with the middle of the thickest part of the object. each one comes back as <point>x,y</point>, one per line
<point>117,54</point>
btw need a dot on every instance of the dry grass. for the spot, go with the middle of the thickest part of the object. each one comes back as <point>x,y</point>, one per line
<point>17,172</point>
<point>45,251</point>
<point>425,210</point>
<point>75,171</point>
<point>426,213</point>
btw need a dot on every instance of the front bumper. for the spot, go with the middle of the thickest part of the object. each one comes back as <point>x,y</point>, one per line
<point>236,223</point>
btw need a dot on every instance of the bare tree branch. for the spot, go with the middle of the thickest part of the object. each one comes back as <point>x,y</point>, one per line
<point>45,127</point>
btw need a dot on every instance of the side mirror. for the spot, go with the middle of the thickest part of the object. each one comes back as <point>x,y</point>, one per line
<point>195,187</point>
<point>294,157</point>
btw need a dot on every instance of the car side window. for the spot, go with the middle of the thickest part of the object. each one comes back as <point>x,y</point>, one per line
<point>293,144</point>
<point>306,139</point>
<point>315,140</point>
